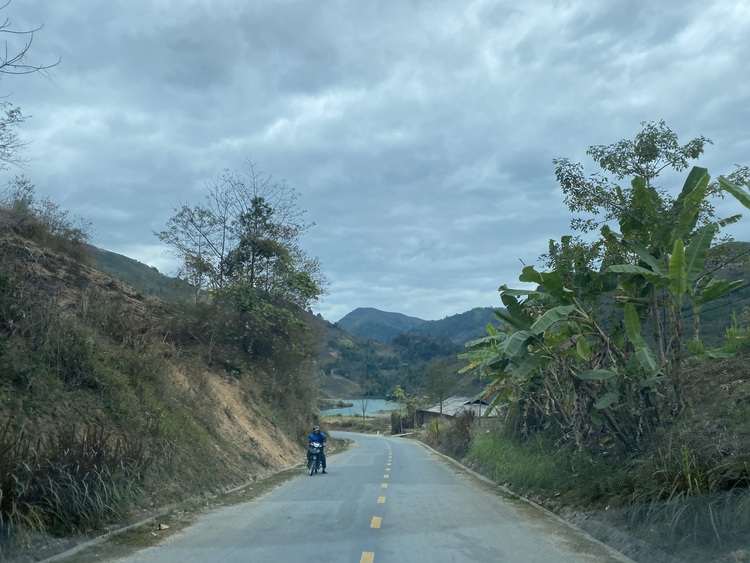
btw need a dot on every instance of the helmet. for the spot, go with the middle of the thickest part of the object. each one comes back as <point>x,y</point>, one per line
<point>316,428</point>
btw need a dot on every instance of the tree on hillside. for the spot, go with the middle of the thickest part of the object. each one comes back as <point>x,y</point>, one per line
<point>247,232</point>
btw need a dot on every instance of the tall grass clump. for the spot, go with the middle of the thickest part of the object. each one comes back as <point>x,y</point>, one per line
<point>71,481</point>
<point>528,466</point>
<point>736,337</point>
<point>690,498</point>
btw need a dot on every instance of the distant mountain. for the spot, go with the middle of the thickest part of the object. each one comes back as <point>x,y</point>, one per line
<point>460,328</point>
<point>373,324</point>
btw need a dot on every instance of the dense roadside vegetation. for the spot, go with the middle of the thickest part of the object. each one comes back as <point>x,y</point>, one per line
<point>110,396</point>
<point>609,403</point>
<point>113,400</point>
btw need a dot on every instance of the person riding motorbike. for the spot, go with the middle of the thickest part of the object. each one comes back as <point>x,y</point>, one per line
<point>318,436</point>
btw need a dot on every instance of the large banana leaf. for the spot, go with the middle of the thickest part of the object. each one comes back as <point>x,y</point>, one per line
<point>697,252</point>
<point>632,325</point>
<point>647,257</point>
<point>677,277</point>
<point>551,317</point>
<point>646,359</point>
<point>528,366</point>
<point>729,220</point>
<point>515,345</point>
<point>715,289</point>
<point>490,339</point>
<point>737,191</point>
<point>688,204</point>
<point>551,282</point>
<point>643,353</point>
<point>514,319</point>
<point>661,278</point>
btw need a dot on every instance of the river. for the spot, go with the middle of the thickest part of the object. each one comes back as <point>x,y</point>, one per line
<point>374,407</point>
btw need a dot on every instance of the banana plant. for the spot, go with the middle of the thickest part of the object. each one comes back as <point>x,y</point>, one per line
<point>671,259</point>
<point>560,362</point>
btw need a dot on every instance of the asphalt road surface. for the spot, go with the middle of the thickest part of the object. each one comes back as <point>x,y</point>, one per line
<point>385,500</point>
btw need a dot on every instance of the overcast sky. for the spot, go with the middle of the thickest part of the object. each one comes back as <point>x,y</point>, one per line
<point>419,134</point>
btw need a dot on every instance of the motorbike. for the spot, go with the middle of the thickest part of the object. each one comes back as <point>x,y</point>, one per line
<point>313,457</point>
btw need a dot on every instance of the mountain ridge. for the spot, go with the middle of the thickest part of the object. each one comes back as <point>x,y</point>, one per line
<point>374,324</point>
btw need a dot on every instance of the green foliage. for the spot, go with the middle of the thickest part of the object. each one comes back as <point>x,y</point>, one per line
<point>654,149</point>
<point>565,359</point>
<point>247,233</point>
<point>142,277</point>
<point>688,498</point>
<point>522,467</point>
<point>736,338</point>
<point>100,352</point>
<point>24,214</point>
<point>451,436</point>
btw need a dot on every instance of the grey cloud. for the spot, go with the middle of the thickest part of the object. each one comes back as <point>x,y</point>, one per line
<point>420,136</point>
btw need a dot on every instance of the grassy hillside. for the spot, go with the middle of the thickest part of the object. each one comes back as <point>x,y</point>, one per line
<point>112,397</point>
<point>147,279</point>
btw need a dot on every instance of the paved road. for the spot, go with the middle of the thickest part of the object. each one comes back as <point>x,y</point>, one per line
<point>386,500</point>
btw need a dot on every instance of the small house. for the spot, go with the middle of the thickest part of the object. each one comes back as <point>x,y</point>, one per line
<point>452,407</point>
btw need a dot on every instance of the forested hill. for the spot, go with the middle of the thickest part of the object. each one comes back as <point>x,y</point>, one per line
<point>373,324</point>
<point>460,328</point>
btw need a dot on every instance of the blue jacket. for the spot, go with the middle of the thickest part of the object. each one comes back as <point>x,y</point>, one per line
<point>317,437</point>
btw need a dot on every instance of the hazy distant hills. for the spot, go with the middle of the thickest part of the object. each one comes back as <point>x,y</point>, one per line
<point>373,324</point>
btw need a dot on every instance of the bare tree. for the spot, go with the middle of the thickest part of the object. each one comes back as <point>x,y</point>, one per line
<point>13,60</point>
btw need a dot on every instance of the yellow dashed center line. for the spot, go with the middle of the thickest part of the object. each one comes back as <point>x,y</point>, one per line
<point>387,468</point>
<point>376,521</point>
<point>381,500</point>
<point>384,485</point>
<point>386,476</point>
<point>367,557</point>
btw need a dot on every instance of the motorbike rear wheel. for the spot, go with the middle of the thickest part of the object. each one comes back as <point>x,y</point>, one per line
<point>313,465</point>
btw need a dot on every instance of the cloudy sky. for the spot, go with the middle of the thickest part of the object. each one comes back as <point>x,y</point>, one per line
<point>419,134</point>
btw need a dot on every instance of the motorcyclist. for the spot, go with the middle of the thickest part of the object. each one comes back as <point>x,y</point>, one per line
<point>318,436</point>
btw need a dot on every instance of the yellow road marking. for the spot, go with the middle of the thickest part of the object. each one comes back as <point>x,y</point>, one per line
<point>384,485</point>
<point>367,557</point>
<point>376,521</point>
<point>386,476</point>
<point>381,500</point>
<point>387,468</point>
